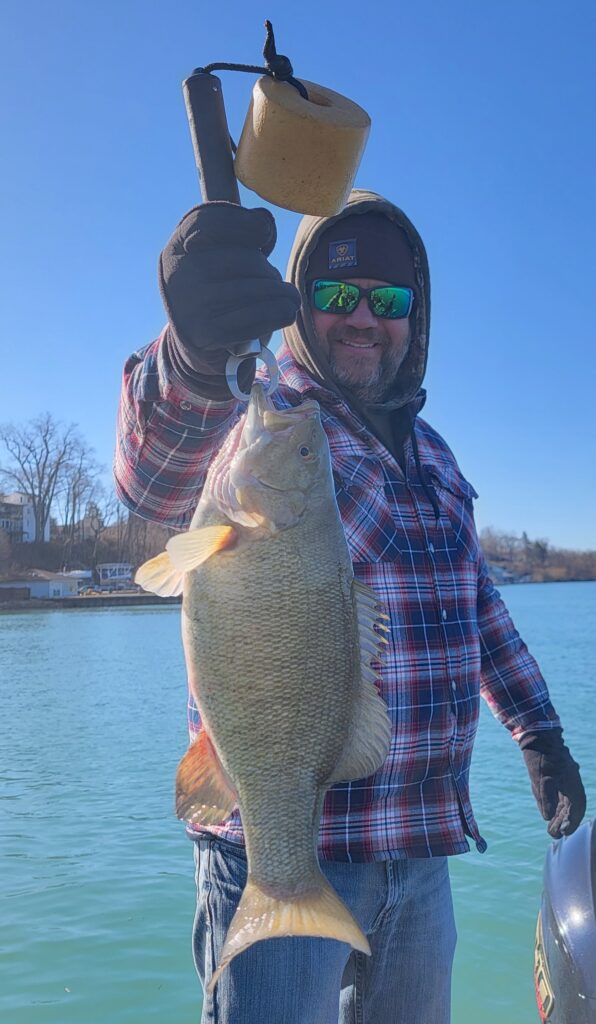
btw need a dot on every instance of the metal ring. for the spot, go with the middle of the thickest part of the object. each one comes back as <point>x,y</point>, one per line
<point>233,365</point>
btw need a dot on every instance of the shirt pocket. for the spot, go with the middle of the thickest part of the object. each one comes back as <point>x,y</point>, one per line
<point>456,497</point>
<point>365,511</point>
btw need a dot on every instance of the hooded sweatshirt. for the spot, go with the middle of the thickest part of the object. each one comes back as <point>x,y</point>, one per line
<point>390,420</point>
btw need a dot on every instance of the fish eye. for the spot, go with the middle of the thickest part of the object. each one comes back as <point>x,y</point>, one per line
<point>304,450</point>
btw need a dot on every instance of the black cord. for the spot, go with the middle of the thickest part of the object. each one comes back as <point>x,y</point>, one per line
<point>427,485</point>
<point>276,65</point>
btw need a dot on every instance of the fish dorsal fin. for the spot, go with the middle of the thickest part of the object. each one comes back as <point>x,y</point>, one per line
<point>369,737</point>
<point>189,550</point>
<point>160,577</point>
<point>204,793</point>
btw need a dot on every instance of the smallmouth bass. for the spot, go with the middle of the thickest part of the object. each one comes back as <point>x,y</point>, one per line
<point>281,643</point>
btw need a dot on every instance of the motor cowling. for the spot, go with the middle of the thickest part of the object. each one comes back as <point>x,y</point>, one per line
<point>565,952</point>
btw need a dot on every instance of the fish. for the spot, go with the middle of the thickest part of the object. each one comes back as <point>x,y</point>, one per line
<point>283,648</point>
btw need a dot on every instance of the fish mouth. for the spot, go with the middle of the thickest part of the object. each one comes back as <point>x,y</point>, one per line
<point>251,480</point>
<point>268,487</point>
<point>263,415</point>
<point>264,405</point>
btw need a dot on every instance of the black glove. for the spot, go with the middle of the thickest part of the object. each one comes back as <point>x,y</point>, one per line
<point>556,782</point>
<point>220,290</point>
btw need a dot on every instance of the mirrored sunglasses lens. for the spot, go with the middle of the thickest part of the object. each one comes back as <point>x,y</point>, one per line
<point>391,303</point>
<point>335,297</point>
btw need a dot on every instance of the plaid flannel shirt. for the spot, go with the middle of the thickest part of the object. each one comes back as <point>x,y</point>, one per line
<point>452,639</point>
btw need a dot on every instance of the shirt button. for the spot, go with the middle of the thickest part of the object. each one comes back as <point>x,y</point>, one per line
<point>431,548</point>
<point>444,614</point>
<point>453,684</point>
<point>185,405</point>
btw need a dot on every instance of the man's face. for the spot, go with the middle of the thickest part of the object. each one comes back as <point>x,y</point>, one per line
<point>365,352</point>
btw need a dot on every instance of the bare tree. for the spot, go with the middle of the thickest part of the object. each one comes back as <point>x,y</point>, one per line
<point>501,547</point>
<point>119,529</point>
<point>135,542</point>
<point>5,550</point>
<point>137,539</point>
<point>100,513</point>
<point>39,454</point>
<point>511,547</point>
<point>78,488</point>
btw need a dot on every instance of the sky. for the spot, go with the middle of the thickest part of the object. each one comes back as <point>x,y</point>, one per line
<point>482,131</point>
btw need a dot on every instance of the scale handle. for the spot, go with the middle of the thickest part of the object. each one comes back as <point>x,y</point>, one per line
<point>210,135</point>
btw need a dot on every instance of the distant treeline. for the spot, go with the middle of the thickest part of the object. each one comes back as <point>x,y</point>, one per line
<point>536,560</point>
<point>128,539</point>
<point>131,539</point>
<point>56,468</point>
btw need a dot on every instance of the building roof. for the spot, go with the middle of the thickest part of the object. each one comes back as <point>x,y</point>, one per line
<point>14,498</point>
<point>37,574</point>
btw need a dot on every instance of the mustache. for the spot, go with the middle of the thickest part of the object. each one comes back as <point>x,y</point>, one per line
<point>372,335</point>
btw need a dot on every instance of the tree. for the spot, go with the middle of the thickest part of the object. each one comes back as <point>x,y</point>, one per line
<point>133,539</point>
<point>78,488</point>
<point>535,552</point>
<point>540,553</point>
<point>120,531</point>
<point>500,547</point>
<point>5,550</point>
<point>39,454</point>
<point>99,514</point>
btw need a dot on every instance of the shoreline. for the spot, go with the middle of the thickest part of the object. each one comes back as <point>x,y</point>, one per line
<point>124,600</point>
<point>128,600</point>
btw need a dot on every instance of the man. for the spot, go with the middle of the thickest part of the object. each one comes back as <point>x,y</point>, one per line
<point>356,312</point>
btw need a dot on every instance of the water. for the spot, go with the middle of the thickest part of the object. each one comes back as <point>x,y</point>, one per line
<point>96,875</point>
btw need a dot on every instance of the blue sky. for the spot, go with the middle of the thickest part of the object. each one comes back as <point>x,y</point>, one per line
<point>482,131</point>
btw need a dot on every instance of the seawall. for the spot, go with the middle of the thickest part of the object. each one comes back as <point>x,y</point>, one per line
<point>91,601</point>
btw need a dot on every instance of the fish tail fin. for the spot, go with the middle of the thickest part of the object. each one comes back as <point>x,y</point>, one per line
<point>319,913</point>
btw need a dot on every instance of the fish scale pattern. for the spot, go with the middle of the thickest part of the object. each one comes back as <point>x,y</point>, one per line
<point>285,606</point>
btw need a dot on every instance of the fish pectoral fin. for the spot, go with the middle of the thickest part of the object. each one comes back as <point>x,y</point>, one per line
<point>204,793</point>
<point>318,913</point>
<point>369,738</point>
<point>164,574</point>
<point>159,576</point>
<point>189,550</point>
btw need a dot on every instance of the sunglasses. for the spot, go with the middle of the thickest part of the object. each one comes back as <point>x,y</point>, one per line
<point>388,301</point>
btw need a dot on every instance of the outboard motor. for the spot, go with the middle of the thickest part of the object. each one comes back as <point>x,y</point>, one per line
<point>565,954</point>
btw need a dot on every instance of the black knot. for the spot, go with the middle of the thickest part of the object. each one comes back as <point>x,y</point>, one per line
<point>280,67</point>
<point>278,64</point>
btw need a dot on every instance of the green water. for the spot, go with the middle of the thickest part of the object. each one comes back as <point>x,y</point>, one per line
<point>96,874</point>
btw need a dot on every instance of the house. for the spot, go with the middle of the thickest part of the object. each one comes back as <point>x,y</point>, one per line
<point>42,584</point>
<point>18,519</point>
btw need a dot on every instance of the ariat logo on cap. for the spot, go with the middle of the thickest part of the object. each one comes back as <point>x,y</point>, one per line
<point>342,254</point>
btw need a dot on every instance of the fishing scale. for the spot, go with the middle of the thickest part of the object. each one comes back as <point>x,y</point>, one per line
<point>300,148</point>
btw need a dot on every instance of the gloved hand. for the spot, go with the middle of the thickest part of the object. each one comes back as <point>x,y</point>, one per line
<point>219,289</point>
<point>555,779</point>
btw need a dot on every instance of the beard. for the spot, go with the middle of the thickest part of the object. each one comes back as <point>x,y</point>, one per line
<point>370,386</point>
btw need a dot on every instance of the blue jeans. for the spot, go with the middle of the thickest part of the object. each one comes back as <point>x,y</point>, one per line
<point>403,906</point>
